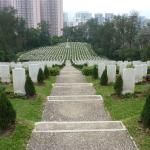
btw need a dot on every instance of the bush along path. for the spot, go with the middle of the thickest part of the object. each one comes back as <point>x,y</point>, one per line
<point>74,118</point>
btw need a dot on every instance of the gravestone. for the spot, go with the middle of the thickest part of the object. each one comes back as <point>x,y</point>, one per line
<point>33,72</point>
<point>144,68</point>
<point>101,68</point>
<point>111,73</point>
<point>41,65</point>
<point>19,81</point>
<point>18,65</point>
<point>5,73</point>
<point>138,73</point>
<point>128,78</point>
<point>121,67</point>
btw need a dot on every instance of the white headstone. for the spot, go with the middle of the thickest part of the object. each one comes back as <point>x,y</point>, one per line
<point>19,81</point>
<point>33,72</point>
<point>101,68</point>
<point>148,63</point>
<point>145,68</point>
<point>138,73</point>
<point>5,73</point>
<point>111,73</point>
<point>42,65</point>
<point>121,67</point>
<point>128,77</point>
<point>18,65</point>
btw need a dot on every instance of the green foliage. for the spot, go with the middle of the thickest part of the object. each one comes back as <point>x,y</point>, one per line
<point>148,71</point>
<point>87,71</point>
<point>118,85</point>
<point>119,39</point>
<point>104,78</point>
<point>40,77</point>
<point>7,113</point>
<point>46,72</point>
<point>95,72</point>
<point>29,111</point>
<point>145,116</point>
<point>54,71</point>
<point>29,87</point>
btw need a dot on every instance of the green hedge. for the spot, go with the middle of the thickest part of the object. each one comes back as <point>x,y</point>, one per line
<point>54,71</point>
<point>87,71</point>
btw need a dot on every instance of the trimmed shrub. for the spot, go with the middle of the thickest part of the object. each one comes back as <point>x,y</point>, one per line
<point>46,72</point>
<point>87,71</point>
<point>54,71</point>
<point>104,78</point>
<point>95,72</point>
<point>29,87</point>
<point>118,85</point>
<point>148,71</point>
<point>40,77</point>
<point>145,116</point>
<point>7,112</point>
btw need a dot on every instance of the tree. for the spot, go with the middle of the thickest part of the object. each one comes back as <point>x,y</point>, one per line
<point>104,78</point>
<point>7,112</point>
<point>145,116</point>
<point>40,77</point>
<point>46,72</point>
<point>95,72</point>
<point>29,87</point>
<point>132,28</point>
<point>118,85</point>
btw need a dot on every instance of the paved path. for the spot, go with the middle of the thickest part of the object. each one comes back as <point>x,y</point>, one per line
<point>74,118</point>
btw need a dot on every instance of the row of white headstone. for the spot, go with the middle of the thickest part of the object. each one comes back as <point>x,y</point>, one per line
<point>19,75</point>
<point>130,76</point>
<point>131,72</point>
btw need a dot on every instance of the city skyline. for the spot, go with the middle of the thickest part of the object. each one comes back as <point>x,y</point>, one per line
<point>98,6</point>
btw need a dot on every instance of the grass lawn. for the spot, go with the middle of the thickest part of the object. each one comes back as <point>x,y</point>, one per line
<point>28,111</point>
<point>127,110</point>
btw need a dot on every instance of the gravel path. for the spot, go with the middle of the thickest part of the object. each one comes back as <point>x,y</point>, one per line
<point>74,118</point>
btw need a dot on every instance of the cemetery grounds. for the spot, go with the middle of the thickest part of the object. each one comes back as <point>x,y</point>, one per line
<point>127,109</point>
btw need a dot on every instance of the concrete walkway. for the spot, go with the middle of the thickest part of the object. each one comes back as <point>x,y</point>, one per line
<point>74,118</point>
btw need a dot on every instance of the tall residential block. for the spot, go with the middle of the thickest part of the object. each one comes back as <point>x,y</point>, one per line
<point>52,14</point>
<point>35,11</point>
<point>6,3</point>
<point>82,17</point>
<point>99,18</point>
<point>29,10</point>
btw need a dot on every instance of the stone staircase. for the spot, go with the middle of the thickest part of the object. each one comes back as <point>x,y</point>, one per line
<point>74,118</point>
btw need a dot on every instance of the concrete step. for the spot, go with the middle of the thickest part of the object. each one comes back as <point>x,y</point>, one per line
<point>73,90</point>
<point>75,111</point>
<point>79,126</point>
<point>73,84</point>
<point>75,98</point>
<point>70,72</point>
<point>99,140</point>
<point>71,79</point>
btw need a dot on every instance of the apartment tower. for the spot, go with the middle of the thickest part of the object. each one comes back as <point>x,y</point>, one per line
<point>35,11</point>
<point>52,14</point>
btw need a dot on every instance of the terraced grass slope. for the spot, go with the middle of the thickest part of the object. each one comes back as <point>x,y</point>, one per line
<point>60,52</point>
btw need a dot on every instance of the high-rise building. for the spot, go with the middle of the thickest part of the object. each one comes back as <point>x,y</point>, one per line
<point>109,16</point>
<point>99,18</point>
<point>52,14</point>
<point>35,11</point>
<point>83,17</point>
<point>29,10</point>
<point>6,3</point>
<point>66,19</point>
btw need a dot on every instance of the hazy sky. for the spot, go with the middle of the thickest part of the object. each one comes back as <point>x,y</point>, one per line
<point>114,6</point>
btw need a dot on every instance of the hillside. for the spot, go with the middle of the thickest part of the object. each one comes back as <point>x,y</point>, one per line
<point>60,52</point>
